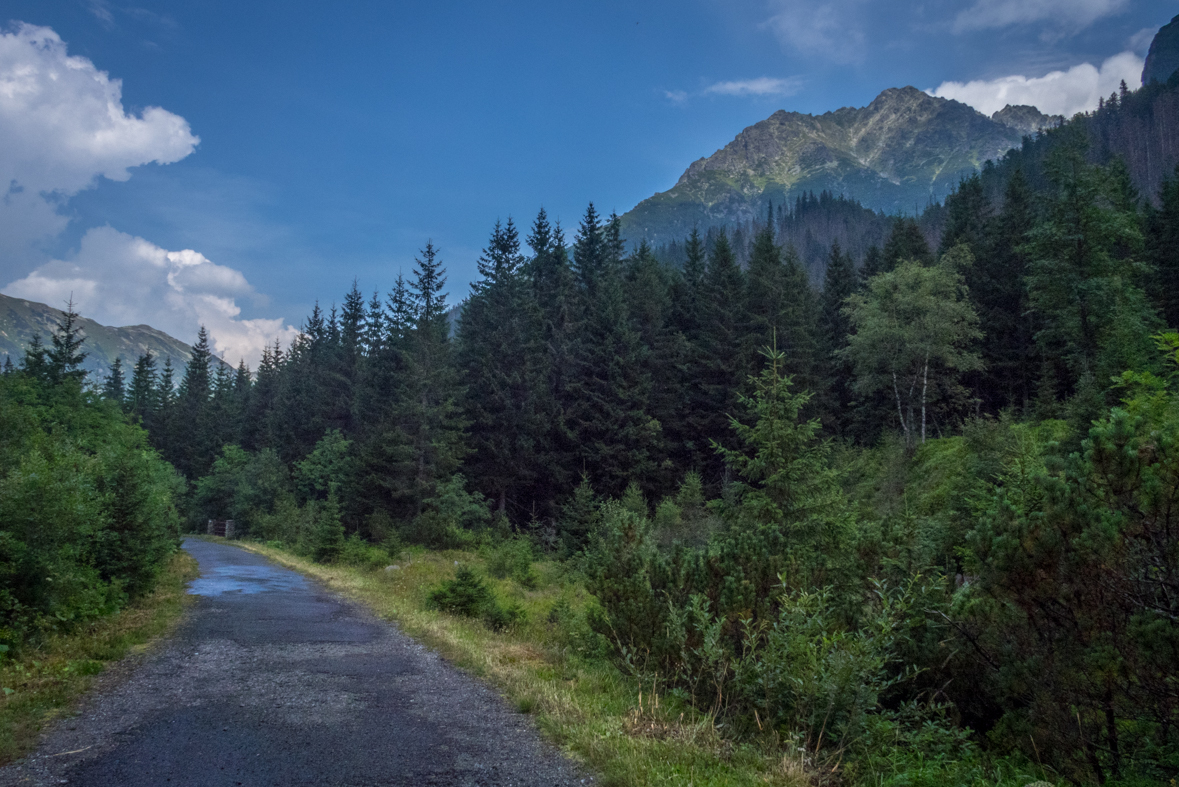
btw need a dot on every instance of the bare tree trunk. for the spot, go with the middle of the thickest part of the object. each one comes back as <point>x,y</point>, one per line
<point>900,410</point>
<point>924,388</point>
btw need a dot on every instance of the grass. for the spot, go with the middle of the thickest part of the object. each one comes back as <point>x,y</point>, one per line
<point>44,682</point>
<point>544,667</point>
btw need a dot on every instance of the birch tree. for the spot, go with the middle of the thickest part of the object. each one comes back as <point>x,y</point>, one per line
<point>912,330</point>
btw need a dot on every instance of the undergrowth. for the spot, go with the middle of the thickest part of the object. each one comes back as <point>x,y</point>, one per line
<point>45,679</point>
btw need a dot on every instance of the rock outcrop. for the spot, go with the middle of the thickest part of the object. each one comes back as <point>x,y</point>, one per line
<point>1163,59</point>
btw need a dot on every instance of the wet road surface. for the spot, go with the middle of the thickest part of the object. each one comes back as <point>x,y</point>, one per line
<point>272,680</point>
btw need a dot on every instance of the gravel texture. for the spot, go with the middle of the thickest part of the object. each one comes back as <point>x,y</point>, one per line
<point>272,680</point>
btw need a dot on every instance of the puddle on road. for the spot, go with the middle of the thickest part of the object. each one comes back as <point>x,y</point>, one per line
<point>245,579</point>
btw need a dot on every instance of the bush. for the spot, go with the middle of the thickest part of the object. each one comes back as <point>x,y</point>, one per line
<point>358,552</point>
<point>87,513</point>
<point>512,558</point>
<point>469,596</point>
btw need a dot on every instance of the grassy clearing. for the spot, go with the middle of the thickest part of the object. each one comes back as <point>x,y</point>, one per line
<point>43,682</point>
<point>619,728</point>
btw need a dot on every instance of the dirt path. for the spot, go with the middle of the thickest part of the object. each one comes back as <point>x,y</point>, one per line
<point>272,680</point>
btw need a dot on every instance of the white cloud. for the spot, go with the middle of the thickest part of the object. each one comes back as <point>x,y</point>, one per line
<point>62,126</point>
<point>1140,41</point>
<point>762,86</point>
<point>1071,14</point>
<point>829,30</point>
<point>676,96</point>
<point>118,279</point>
<point>1058,93</point>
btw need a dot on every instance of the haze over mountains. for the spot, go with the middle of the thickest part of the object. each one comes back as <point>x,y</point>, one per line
<point>903,151</point>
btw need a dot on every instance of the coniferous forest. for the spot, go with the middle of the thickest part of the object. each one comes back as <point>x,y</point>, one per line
<point>923,494</point>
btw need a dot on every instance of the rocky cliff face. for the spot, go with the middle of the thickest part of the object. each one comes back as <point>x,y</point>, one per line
<point>1025,119</point>
<point>20,320</point>
<point>897,154</point>
<point>1163,59</point>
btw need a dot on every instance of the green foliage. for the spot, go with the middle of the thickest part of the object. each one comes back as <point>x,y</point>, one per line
<point>469,596</point>
<point>87,514</point>
<point>513,558</point>
<point>913,331</point>
<point>451,517</point>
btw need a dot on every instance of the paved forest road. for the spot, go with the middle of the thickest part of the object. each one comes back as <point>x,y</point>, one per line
<point>272,680</point>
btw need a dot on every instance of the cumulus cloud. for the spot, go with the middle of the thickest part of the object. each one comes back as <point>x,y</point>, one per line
<point>762,86</point>
<point>829,29</point>
<point>1057,93</point>
<point>62,126</point>
<point>118,279</point>
<point>1073,14</point>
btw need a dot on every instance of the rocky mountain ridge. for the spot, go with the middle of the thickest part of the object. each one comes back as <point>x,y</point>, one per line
<point>903,151</point>
<point>20,320</point>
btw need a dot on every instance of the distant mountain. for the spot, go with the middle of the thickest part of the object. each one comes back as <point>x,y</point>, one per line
<point>1163,58</point>
<point>1026,120</point>
<point>20,320</point>
<point>898,154</point>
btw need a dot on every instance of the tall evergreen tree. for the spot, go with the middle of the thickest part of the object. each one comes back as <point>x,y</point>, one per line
<point>1082,280</point>
<point>114,386</point>
<point>500,355</point>
<point>1162,249</point>
<point>143,396</point>
<point>608,390</point>
<point>63,360</point>
<point>839,284</point>
<point>906,241</point>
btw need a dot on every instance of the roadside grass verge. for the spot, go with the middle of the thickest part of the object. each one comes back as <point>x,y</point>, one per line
<point>42,682</point>
<point>546,666</point>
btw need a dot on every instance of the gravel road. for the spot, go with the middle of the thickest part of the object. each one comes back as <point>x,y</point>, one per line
<point>272,680</point>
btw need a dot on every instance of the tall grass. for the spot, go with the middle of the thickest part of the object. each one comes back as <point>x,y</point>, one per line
<point>47,677</point>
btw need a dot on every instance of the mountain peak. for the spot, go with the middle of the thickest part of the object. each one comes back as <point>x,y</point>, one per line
<point>901,151</point>
<point>1026,119</point>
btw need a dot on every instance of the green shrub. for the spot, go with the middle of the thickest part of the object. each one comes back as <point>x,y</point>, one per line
<point>358,552</point>
<point>469,596</point>
<point>512,558</point>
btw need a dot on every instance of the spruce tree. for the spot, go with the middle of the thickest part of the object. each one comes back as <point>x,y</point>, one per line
<point>715,365</point>
<point>609,387</point>
<point>114,386</point>
<point>906,241</point>
<point>143,396</point>
<point>554,292</point>
<point>63,360</point>
<point>1162,249</point>
<point>839,283</point>
<point>499,354</point>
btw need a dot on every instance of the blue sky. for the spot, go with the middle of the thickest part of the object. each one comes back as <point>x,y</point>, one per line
<point>336,138</point>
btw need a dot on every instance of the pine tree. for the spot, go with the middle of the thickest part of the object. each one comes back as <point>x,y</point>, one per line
<point>1082,278</point>
<point>499,353</point>
<point>839,284</point>
<point>1162,249</point>
<point>143,396</point>
<point>608,390</point>
<point>906,241</point>
<point>429,414</point>
<point>63,361</point>
<point>967,213</point>
<point>999,292</point>
<point>196,436</point>
<point>554,292</point>
<point>715,365</point>
<point>114,387</point>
